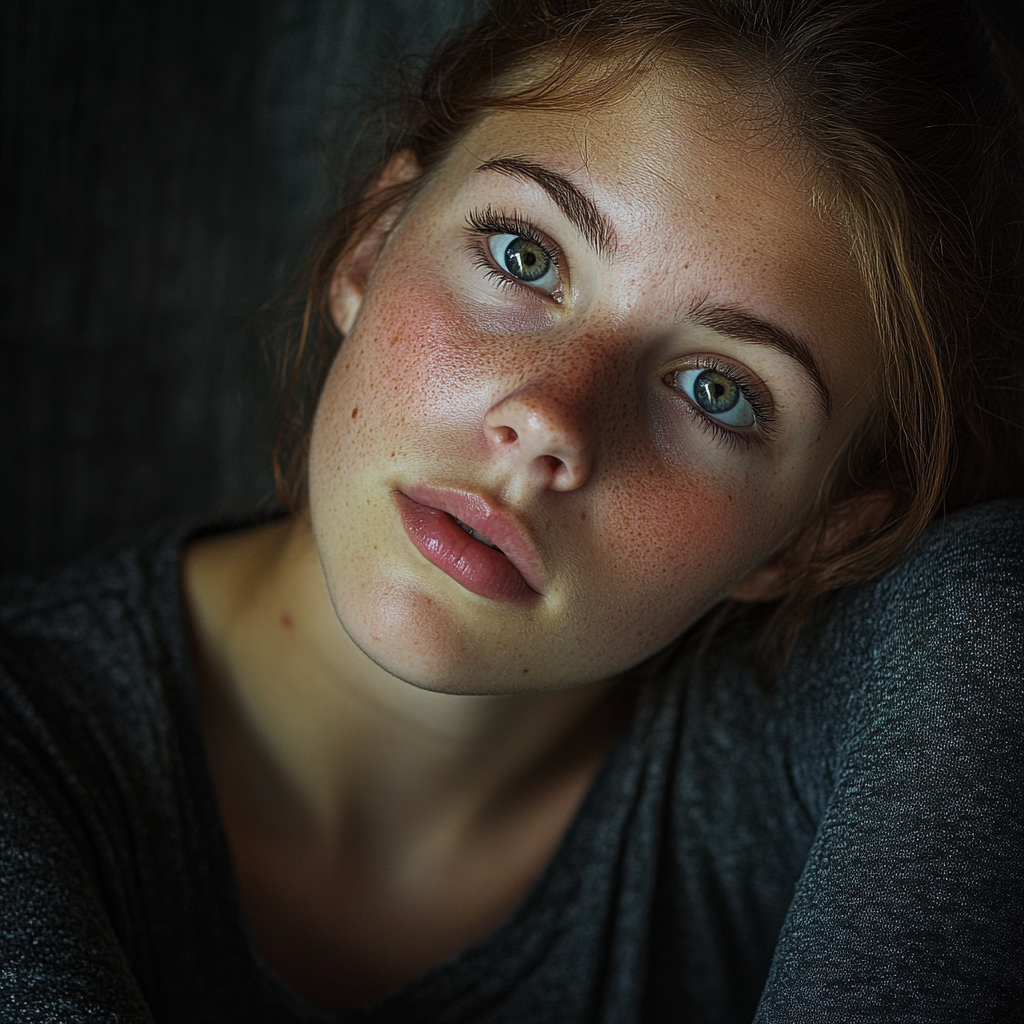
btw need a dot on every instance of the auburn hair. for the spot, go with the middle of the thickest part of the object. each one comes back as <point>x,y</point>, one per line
<point>911,112</point>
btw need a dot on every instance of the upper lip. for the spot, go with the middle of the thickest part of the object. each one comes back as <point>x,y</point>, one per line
<point>502,528</point>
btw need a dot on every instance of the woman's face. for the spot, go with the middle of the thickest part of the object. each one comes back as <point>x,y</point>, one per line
<point>624,347</point>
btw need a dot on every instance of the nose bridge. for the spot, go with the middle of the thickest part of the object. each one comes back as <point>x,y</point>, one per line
<point>549,421</point>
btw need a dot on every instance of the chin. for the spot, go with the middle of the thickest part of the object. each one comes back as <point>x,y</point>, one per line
<point>416,638</point>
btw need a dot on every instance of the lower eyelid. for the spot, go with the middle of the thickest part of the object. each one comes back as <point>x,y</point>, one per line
<point>731,436</point>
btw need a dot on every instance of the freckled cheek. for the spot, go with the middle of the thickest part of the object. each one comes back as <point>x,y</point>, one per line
<point>676,540</point>
<point>668,530</point>
<point>420,356</point>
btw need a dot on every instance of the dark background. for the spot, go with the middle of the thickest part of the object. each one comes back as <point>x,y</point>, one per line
<point>162,165</point>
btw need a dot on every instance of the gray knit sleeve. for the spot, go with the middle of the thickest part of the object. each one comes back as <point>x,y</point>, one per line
<point>60,960</point>
<point>909,907</point>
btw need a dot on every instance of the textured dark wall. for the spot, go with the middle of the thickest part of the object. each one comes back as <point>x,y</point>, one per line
<point>161,165</point>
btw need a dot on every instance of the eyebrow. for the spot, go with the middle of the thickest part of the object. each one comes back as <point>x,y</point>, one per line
<point>578,207</point>
<point>744,326</point>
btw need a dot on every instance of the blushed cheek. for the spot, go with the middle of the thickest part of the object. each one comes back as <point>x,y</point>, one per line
<point>665,529</point>
<point>396,374</point>
<point>422,359</point>
<point>674,543</point>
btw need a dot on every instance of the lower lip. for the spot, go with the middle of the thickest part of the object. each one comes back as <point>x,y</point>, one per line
<point>473,565</point>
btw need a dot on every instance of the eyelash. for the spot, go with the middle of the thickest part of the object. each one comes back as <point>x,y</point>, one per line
<point>492,222</point>
<point>752,389</point>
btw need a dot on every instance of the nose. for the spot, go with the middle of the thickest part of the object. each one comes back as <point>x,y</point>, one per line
<point>544,434</point>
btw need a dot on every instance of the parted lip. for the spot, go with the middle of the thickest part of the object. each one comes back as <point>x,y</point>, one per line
<point>502,528</point>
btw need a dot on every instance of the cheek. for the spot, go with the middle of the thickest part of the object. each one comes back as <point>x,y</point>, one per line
<point>397,370</point>
<point>423,364</point>
<point>420,357</point>
<point>674,541</point>
<point>691,534</point>
<point>683,506</point>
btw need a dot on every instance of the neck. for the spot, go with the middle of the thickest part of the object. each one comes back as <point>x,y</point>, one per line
<point>308,734</point>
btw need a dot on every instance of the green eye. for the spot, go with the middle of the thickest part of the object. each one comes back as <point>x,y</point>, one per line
<point>525,260</point>
<point>717,395</point>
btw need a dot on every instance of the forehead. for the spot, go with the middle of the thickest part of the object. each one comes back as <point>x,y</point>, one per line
<point>667,145</point>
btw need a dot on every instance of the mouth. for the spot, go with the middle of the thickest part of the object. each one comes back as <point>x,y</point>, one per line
<point>477,536</point>
<point>481,548</point>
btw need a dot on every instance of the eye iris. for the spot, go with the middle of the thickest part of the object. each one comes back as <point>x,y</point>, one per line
<point>714,392</point>
<point>526,260</point>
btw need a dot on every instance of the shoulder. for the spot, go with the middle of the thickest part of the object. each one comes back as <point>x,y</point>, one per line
<point>969,561</point>
<point>91,659</point>
<point>102,617</point>
<point>939,634</point>
<point>911,893</point>
<point>75,602</point>
<point>925,665</point>
<point>100,755</point>
<point>908,687</point>
<point>951,609</point>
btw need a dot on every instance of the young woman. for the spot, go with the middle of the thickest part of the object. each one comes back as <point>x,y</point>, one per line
<point>643,638</point>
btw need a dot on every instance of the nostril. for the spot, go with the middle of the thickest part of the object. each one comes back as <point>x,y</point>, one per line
<point>505,435</point>
<point>545,441</point>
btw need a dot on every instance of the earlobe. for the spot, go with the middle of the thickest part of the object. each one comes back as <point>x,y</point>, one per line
<point>357,262</point>
<point>346,298</point>
<point>850,520</point>
<point>766,583</point>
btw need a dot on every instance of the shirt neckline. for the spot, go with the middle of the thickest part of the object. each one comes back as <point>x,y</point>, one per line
<point>552,890</point>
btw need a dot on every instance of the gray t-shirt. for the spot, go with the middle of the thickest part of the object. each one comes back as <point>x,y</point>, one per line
<point>844,847</point>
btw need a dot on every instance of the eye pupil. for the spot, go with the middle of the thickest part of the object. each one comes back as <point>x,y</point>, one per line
<point>714,392</point>
<point>526,260</point>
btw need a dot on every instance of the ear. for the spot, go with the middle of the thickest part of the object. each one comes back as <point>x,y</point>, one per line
<point>850,520</point>
<point>357,262</point>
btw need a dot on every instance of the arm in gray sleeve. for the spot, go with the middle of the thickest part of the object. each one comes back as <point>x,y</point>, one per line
<point>60,959</point>
<point>909,907</point>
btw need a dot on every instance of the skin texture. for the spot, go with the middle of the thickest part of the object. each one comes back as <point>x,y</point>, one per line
<point>396,757</point>
<point>642,517</point>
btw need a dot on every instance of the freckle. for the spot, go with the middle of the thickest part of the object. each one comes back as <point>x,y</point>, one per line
<point>375,546</point>
<point>355,413</point>
<point>287,621</point>
<point>686,266</point>
<point>392,455</point>
<point>525,670</point>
